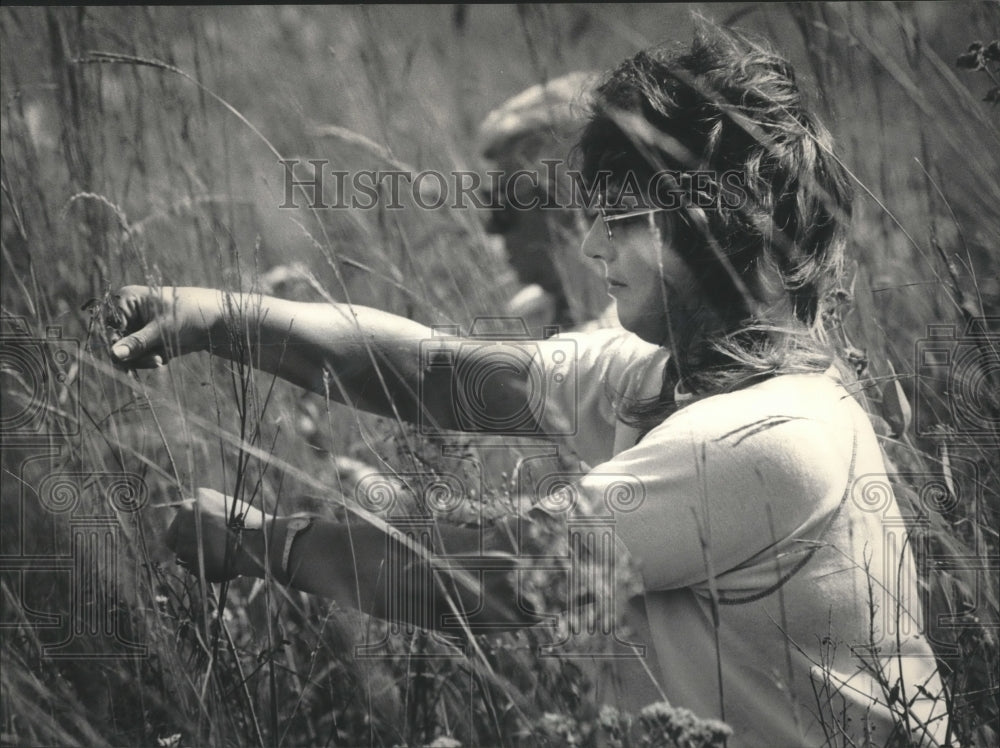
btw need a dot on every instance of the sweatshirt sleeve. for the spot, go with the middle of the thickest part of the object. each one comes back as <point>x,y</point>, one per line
<point>586,377</point>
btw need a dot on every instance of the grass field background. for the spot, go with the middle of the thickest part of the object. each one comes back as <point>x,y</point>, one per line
<point>139,145</point>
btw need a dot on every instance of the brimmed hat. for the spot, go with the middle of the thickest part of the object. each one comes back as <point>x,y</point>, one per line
<point>554,108</point>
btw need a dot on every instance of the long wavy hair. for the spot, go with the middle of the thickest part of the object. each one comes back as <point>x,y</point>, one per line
<point>769,249</point>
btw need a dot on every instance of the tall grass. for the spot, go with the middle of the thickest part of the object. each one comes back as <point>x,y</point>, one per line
<point>128,172</point>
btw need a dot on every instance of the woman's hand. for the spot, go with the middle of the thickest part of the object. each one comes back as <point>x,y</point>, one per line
<point>225,556</point>
<point>152,325</point>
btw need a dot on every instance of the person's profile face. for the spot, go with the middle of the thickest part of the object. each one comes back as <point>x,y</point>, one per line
<point>645,275</point>
<point>527,233</point>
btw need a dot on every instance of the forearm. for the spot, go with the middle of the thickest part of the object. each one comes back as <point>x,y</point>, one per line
<point>358,355</point>
<point>364,568</point>
<point>375,361</point>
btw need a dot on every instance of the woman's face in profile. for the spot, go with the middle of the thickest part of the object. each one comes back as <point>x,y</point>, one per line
<point>645,276</point>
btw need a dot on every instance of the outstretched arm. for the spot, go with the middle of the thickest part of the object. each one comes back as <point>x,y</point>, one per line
<point>357,355</point>
<point>359,566</point>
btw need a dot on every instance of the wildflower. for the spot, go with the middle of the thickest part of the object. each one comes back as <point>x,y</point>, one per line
<point>444,742</point>
<point>615,723</point>
<point>972,58</point>
<point>560,726</point>
<point>680,726</point>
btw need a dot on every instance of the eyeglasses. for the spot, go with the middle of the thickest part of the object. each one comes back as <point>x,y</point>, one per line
<point>610,218</point>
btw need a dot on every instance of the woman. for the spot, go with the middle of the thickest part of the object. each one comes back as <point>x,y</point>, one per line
<point>772,601</point>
